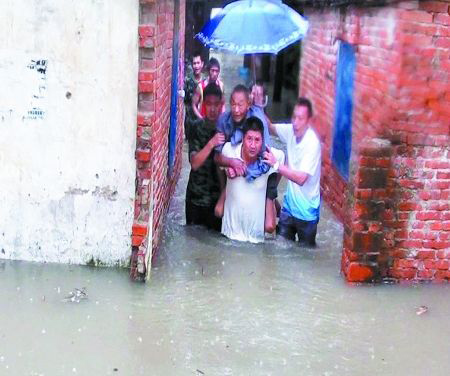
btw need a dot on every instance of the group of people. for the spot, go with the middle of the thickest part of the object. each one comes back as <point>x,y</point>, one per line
<point>235,171</point>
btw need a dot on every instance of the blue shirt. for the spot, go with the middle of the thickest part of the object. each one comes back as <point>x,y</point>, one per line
<point>233,134</point>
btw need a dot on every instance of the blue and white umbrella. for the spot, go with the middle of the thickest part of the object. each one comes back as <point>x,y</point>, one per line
<point>253,26</point>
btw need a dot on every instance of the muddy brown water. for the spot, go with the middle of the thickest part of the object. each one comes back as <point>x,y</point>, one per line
<point>218,307</point>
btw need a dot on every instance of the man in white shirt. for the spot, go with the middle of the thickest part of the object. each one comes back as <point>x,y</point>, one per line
<point>245,202</point>
<point>300,213</point>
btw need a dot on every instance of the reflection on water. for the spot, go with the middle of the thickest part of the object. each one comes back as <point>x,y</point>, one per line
<point>219,307</point>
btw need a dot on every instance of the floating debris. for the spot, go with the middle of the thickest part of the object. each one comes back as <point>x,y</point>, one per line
<point>76,295</point>
<point>421,310</point>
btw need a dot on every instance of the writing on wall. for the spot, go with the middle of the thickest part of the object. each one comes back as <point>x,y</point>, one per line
<point>36,111</point>
<point>24,87</point>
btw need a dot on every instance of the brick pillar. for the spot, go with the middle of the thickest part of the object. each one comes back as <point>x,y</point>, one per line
<point>142,226</point>
<point>367,240</point>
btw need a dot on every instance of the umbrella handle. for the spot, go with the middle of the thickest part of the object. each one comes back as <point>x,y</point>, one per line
<point>254,68</point>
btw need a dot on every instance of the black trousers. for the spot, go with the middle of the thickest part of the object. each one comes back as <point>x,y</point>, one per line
<point>289,226</point>
<point>202,215</point>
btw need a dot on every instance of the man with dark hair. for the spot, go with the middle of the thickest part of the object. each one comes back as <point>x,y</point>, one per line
<point>300,213</point>
<point>230,124</point>
<point>203,187</point>
<point>213,78</point>
<point>190,84</point>
<point>244,210</point>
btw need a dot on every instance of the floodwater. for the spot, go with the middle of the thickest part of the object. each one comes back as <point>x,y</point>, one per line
<point>218,307</point>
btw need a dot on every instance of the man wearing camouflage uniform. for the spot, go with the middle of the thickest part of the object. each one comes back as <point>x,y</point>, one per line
<point>203,189</point>
<point>190,84</point>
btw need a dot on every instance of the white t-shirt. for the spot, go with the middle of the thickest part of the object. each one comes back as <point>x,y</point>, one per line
<point>302,201</point>
<point>245,202</point>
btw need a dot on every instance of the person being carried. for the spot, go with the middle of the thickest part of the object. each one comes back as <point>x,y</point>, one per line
<point>213,78</point>
<point>203,189</point>
<point>300,213</point>
<point>230,123</point>
<point>244,209</point>
<point>190,85</point>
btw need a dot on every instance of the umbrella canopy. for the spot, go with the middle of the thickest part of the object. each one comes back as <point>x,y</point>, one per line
<point>253,26</point>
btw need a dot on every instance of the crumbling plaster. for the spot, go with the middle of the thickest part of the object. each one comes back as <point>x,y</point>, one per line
<point>68,107</point>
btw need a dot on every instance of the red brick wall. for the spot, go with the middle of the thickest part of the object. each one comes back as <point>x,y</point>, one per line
<point>401,95</point>
<point>155,184</point>
<point>420,179</point>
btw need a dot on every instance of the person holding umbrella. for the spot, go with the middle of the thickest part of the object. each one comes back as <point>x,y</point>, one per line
<point>250,27</point>
<point>259,95</point>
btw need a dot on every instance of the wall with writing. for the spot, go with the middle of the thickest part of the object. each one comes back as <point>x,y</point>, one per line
<point>68,74</point>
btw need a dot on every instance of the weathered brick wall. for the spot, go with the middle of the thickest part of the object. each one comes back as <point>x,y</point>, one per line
<point>155,184</point>
<point>373,87</point>
<point>420,178</point>
<point>395,207</point>
<point>368,237</point>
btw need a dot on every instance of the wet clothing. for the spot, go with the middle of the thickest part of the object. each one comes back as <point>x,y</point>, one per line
<point>272,186</point>
<point>203,189</point>
<point>302,201</point>
<point>202,215</point>
<point>289,226</point>
<point>301,208</point>
<point>233,133</point>
<point>256,169</point>
<point>245,202</point>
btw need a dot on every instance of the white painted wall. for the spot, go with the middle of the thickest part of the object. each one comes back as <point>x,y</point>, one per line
<point>67,168</point>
